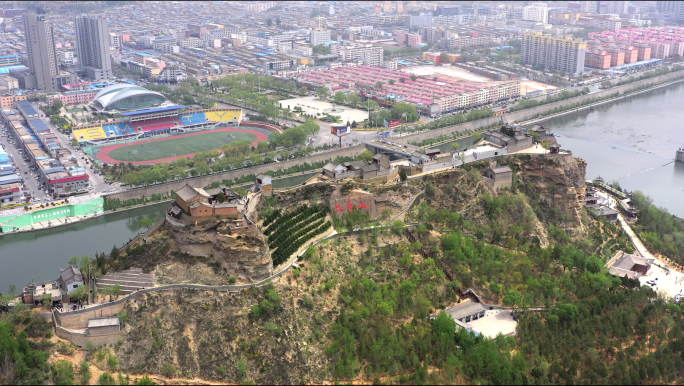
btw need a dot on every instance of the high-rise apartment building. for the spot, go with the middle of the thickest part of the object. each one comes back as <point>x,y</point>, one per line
<point>42,56</point>
<point>673,8</point>
<point>317,37</point>
<point>536,12</point>
<point>619,7</point>
<point>589,6</point>
<point>557,53</point>
<point>93,41</point>
<point>422,20</point>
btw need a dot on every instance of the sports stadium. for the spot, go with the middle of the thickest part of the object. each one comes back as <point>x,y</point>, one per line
<point>155,130</point>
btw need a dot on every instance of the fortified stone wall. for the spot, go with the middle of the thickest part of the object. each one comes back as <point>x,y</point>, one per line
<point>207,180</point>
<point>526,114</point>
<point>80,319</point>
<point>82,340</point>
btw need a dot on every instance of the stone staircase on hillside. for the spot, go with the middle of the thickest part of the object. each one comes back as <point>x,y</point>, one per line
<point>130,280</point>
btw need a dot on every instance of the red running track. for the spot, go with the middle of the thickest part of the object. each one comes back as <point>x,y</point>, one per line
<point>103,154</point>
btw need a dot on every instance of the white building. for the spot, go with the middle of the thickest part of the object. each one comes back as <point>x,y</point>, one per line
<point>67,57</point>
<point>115,40</point>
<point>317,37</point>
<point>173,74</point>
<point>212,43</point>
<point>147,40</point>
<point>391,65</point>
<point>536,12</point>
<point>168,49</point>
<point>190,43</point>
<point>369,54</point>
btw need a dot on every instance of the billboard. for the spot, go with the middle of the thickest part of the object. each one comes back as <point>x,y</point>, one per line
<point>340,130</point>
<point>392,124</point>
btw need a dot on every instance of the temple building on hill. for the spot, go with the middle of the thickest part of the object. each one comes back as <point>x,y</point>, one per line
<point>196,204</point>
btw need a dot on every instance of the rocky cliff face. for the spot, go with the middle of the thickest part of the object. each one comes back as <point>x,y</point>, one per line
<point>559,180</point>
<point>245,256</point>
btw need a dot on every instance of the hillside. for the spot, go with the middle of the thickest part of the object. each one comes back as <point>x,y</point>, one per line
<point>357,307</point>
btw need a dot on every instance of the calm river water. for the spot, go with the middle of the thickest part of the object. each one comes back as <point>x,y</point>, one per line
<point>632,141</point>
<point>40,254</point>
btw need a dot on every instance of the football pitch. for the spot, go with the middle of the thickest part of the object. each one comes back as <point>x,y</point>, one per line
<point>167,149</point>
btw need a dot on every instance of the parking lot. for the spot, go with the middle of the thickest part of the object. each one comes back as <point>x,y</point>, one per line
<point>495,322</point>
<point>664,281</point>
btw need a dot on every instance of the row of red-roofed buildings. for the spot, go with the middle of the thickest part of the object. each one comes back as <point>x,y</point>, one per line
<point>614,48</point>
<point>444,94</point>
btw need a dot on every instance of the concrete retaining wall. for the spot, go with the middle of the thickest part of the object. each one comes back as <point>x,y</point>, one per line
<point>82,340</point>
<point>148,191</point>
<point>79,319</point>
<point>522,115</point>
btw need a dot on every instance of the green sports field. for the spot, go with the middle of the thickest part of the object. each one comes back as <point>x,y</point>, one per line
<point>150,150</point>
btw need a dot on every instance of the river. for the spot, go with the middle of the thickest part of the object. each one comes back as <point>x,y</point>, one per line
<point>632,141</point>
<point>38,255</point>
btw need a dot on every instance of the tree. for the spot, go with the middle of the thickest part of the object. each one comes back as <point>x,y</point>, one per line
<point>73,262</point>
<point>402,175</point>
<point>455,145</point>
<point>145,380</point>
<point>321,49</point>
<point>114,254</point>
<point>269,22</point>
<point>64,373</point>
<point>398,227</point>
<point>413,77</point>
<point>444,58</point>
<point>116,291</point>
<point>188,100</point>
<point>322,92</point>
<point>512,298</point>
<point>12,289</point>
<point>302,91</point>
<point>57,104</point>
<point>84,369</point>
<point>242,368</point>
<point>107,379</point>
<point>340,97</point>
<point>546,145</point>
<point>354,98</point>
<point>391,81</point>
<point>402,80</point>
<point>378,85</point>
<point>366,156</point>
<point>146,222</point>
<point>278,21</point>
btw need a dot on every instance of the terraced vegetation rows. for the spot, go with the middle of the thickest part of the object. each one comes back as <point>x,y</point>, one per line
<point>289,231</point>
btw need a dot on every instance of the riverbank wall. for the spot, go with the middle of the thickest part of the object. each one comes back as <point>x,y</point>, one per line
<point>534,112</point>
<point>50,217</point>
<point>202,181</point>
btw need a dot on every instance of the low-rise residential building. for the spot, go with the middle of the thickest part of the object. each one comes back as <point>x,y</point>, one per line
<point>55,291</point>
